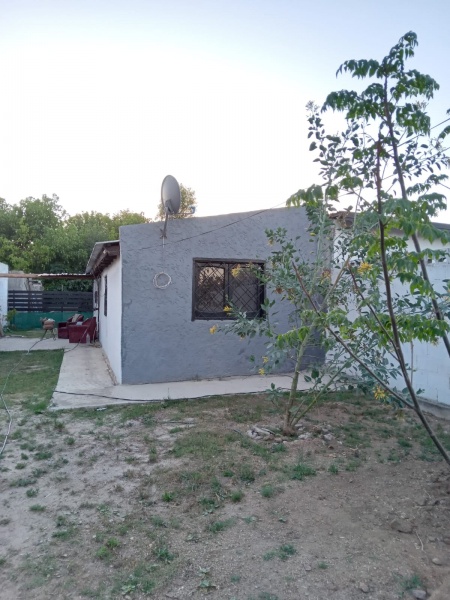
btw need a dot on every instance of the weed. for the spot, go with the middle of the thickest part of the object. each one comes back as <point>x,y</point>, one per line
<point>410,583</point>
<point>24,456</point>
<point>218,526</point>
<point>2,561</point>
<point>279,448</point>
<point>103,509</point>
<point>103,553</point>
<point>236,495</point>
<point>228,473</point>
<point>247,474</point>
<point>393,456</point>
<point>204,444</point>
<point>352,465</point>
<point>168,496</point>
<point>235,578</point>
<point>322,565</point>
<point>283,552</point>
<point>333,468</point>
<point>112,543</point>
<point>70,441</point>
<point>39,472</point>
<point>32,492</point>
<point>43,455</point>
<point>20,466</point>
<point>162,553</point>
<point>299,471</point>
<point>37,508</point>
<point>59,426</point>
<point>23,482</point>
<point>268,490</point>
<point>267,596</point>
<point>158,521</point>
<point>65,530</point>
<point>176,429</point>
<point>4,521</point>
<point>152,454</point>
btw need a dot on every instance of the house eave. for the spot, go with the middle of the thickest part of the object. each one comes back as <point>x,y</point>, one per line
<point>103,254</point>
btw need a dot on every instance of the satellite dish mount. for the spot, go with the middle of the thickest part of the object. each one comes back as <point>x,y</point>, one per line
<point>170,200</point>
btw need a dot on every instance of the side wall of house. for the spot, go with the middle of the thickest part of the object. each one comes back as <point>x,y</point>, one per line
<point>3,294</point>
<point>110,325</point>
<point>160,341</point>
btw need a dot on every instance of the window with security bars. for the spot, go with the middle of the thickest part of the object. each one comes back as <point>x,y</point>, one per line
<point>220,284</point>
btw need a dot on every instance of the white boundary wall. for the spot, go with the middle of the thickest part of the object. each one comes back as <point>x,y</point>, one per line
<point>3,293</point>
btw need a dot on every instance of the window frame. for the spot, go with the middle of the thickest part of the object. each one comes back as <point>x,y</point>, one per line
<point>229,263</point>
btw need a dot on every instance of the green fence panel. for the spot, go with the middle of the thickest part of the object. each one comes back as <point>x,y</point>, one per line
<point>31,320</point>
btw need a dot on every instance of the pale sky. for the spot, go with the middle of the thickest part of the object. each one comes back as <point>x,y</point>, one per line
<point>100,99</point>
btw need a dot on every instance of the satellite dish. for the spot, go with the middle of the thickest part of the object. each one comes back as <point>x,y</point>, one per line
<point>170,195</point>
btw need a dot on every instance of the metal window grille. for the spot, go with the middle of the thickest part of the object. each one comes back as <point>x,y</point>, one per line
<point>219,284</point>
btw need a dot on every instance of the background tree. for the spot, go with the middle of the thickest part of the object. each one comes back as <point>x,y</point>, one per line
<point>188,201</point>
<point>37,236</point>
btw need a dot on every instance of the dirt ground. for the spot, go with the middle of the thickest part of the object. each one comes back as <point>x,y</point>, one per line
<point>178,501</point>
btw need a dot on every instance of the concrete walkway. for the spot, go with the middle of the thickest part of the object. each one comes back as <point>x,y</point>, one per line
<point>85,380</point>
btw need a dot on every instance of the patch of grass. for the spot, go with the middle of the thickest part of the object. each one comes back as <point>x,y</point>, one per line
<point>168,496</point>
<point>176,429</point>
<point>268,490</point>
<point>36,378</point>
<point>39,571</point>
<point>20,466</point>
<point>299,471</point>
<point>409,583</point>
<point>70,441</point>
<point>23,482</point>
<point>279,448</point>
<point>32,492</point>
<point>218,526</point>
<point>140,412</point>
<point>140,579</point>
<point>333,469</point>
<point>152,454</point>
<point>158,521</point>
<point>162,553</point>
<point>247,473</point>
<point>322,565</point>
<point>64,529</point>
<point>235,578</point>
<point>103,553</point>
<point>2,561</point>
<point>236,495</point>
<point>37,508</point>
<point>39,472</point>
<point>352,465</point>
<point>283,552</point>
<point>202,444</point>
<point>43,455</point>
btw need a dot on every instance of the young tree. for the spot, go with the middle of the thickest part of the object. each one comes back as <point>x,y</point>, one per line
<point>389,163</point>
<point>188,201</point>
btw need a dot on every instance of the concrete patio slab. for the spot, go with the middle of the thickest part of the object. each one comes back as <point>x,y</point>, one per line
<point>17,343</point>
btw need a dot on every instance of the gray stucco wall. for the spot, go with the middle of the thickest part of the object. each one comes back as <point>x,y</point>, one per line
<point>160,342</point>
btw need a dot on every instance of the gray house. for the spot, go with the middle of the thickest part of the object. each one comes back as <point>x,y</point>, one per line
<point>156,302</point>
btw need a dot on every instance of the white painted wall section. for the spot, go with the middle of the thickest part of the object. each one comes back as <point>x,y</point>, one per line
<point>110,325</point>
